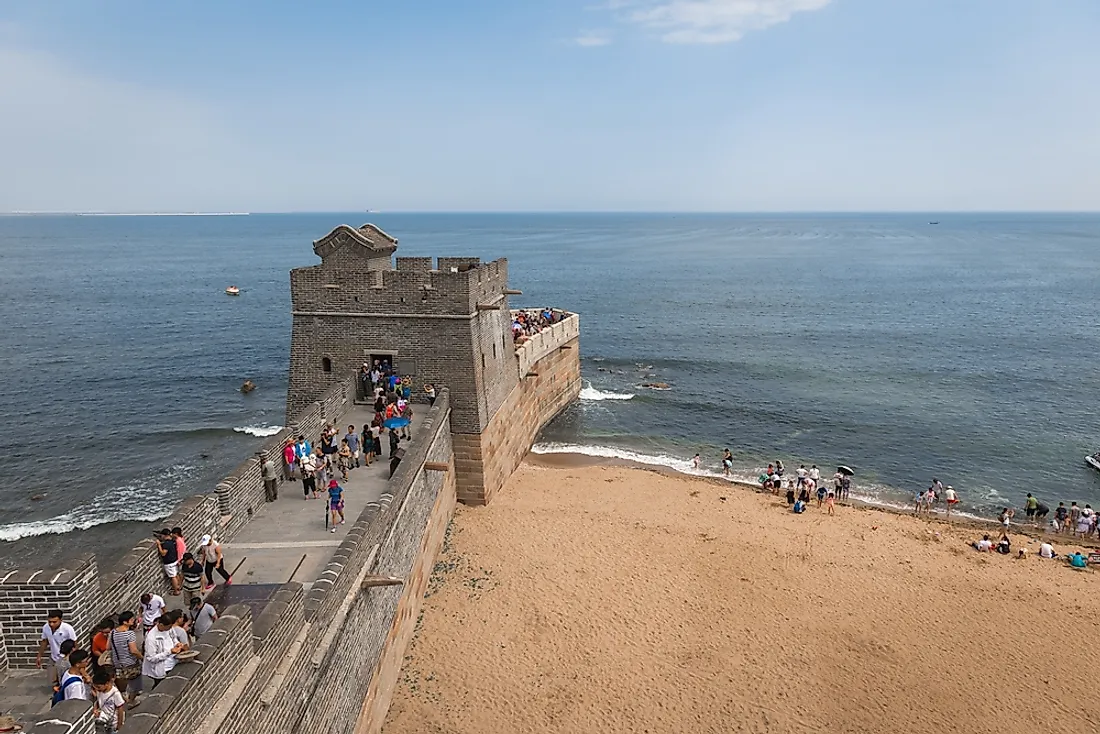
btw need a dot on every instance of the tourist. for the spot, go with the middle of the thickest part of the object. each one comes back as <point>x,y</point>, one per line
<point>108,706</point>
<point>407,414</point>
<point>790,494</point>
<point>429,389</point>
<point>695,462</point>
<point>63,663</point>
<point>180,638</point>
<point>307,465</point>
<point>985,545</point>
<point>937,487</point>
<point>344,459</point>
<point>1030,503</point>
<point>365,382</point>
<point>324,469</point>
<point>838,481</point>
<point>74,684</point>
<point>804,495</point>
<point>160,645</point>
<point>100,642</point>
<point>352,439</point>
<point>1046,550</point>
<point>151,607</point>
<point>302,449</point>
<point>802,474</point>
<point>1074,516</point>
<point>1041,512</point>
<point>918,502</point>
<point>125,656</point>
<point>820,491</point>
<point>368,445</point>
<point>951,498</point>
<point>799,506</point>
<point>830,500</point>
<point>845,486</point>
<point>815,474</point>
<point>1004,545</point>
<point>395,441</point>
<point>203,616</point>
<point>54,633</point>
<point>335,504</point>
<point>1077,560</point>
<point>1084,521</point>
<point>191,570</point>
<point>1006,516</point>
<point>376,437</point>
<point>181,543</point>
<point>169,558</point>
<point>727,462</point>
<point>210,555</point>
<point>269,478</point>
<point>290,461</point>
<point>930,498</point>
<point>1061,514</point>
<point>779,467</point>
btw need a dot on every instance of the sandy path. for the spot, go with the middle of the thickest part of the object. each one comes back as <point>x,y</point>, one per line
<point>610,600</point>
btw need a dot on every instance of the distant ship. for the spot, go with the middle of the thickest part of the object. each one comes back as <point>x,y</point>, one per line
<point>1093,461</point>
<point>232,291</point>
<point>933,222</point>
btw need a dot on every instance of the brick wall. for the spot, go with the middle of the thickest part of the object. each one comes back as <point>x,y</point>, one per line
<point>67,717</point>
<point>27,597</point>
<point>484,461</point>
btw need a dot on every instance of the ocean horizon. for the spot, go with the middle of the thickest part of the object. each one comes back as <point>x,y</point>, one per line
<point>905,349</point>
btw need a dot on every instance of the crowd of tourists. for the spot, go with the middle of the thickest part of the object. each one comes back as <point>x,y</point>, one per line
<point>528,322</point>
<point>134,651</point>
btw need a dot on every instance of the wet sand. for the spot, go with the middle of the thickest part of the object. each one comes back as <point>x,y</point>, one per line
<point>605,598</point>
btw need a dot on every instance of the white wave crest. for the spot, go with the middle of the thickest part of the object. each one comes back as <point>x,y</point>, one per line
<point>261,431</point>
<point>872,494</point>
<point>590,393</point>
<point>152,498</point>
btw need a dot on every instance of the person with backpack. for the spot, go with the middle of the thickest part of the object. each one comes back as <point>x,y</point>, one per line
<point>74,684</point>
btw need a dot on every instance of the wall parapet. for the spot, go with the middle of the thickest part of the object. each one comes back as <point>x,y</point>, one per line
<point>530,349</point>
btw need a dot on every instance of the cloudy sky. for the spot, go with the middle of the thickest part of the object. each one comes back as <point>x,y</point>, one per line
<point>494,105</point>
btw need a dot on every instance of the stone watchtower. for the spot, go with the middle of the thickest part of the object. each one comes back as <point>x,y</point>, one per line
<point>448,325</point>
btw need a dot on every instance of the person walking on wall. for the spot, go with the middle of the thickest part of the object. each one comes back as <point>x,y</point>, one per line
<point>353,443</point>
<point>335,504</point>
<point>169,558</point>
<point>54,632</point>
<point>210,554</point>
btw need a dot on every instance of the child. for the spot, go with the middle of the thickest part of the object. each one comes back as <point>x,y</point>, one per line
<point>830,500</point>
<point>335,504</point>
<point>108,708</point>
<point>345,458</point>
<point>73,683</point>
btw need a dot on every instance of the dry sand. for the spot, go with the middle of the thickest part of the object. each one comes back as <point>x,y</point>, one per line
<point>608,599</point>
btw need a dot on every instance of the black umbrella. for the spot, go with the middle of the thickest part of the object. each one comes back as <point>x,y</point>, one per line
<point>845,470</point>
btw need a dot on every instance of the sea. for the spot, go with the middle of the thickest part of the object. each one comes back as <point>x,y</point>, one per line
<point>964,347</point>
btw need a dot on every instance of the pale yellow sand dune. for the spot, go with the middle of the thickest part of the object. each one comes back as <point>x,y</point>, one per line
<point>604,599</point>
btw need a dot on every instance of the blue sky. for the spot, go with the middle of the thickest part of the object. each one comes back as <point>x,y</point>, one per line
<point>652,105</point>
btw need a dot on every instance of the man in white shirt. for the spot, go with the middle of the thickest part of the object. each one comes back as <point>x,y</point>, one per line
<point>801,475</point>
<point>985,545</point>
<point>152,606</point>
<point>1046,550</point>
<point>815,474</point>
<point>160,645</point>
<point>54,632</point>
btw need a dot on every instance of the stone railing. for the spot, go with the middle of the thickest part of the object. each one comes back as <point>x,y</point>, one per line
<point>530,349</point>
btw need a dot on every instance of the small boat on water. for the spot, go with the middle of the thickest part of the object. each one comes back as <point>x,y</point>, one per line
<point>232,291</point>
<point>1093,461</point>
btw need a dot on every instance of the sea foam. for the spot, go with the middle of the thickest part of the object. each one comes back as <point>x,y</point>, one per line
<point>590,393</point>
<point>261,431</point>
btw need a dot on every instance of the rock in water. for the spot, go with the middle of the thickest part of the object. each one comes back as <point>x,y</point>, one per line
<point>248,387</point>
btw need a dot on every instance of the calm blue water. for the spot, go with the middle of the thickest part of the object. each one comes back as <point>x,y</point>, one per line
<point>965,350</point>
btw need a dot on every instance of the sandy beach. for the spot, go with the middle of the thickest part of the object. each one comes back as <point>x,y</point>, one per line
<point>612,599</point>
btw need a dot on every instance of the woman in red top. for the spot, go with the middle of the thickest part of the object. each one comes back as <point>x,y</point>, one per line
<point>289,457</point>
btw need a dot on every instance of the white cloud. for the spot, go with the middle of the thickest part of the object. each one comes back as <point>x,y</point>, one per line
<point>591,38</point>
<point>713,21</point>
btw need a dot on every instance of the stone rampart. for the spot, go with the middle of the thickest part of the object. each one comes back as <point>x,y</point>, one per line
<point>484,461</point>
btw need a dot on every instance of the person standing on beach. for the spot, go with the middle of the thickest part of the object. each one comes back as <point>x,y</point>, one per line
<point>801,472</point>
<point>727,462</point>
<point>830,500</point>
<point>695,461</point>
<point>1030,503</point>
<point>951,499</point>
<point>815,474</point>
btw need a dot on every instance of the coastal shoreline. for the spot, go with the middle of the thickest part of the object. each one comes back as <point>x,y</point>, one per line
<point>607,597</point>
<point>565,460</point>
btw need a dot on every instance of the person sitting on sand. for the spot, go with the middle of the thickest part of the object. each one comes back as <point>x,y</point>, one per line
<point>985,545</point>
<point>1004,545</point>
<point>1077,560</point>
<point>1046,550</point>
<point>799,506</point>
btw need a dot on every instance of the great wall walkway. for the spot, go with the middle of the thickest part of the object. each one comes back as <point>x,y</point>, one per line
<point>285,538</point>
<point>288,539</point>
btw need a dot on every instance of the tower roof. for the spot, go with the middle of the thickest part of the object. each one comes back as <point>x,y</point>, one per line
<point>369,241</point>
